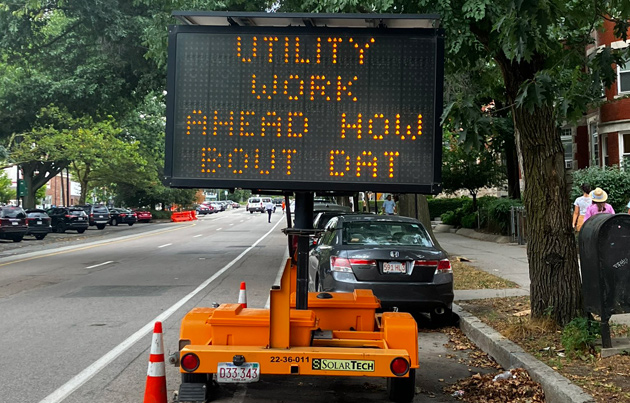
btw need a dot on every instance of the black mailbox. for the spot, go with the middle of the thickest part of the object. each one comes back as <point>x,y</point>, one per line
<point>605,265</point>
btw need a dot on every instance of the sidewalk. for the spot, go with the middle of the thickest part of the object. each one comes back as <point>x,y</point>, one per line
<point>508,261</point>
<point>505,260</point>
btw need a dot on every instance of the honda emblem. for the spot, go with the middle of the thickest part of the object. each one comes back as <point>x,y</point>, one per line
<point>394,253</point>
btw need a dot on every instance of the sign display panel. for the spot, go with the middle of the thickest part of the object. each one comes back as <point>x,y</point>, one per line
<point>304,109</point>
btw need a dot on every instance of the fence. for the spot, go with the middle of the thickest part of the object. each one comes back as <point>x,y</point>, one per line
<point>518,228</point>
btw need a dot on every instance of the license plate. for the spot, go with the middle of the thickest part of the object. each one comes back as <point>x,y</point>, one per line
<point>39,223</point>
<point>100,216</point>
<point>14,223</point>
<point>80,218</point>
<point>394,267</point>
<point>227,372</point>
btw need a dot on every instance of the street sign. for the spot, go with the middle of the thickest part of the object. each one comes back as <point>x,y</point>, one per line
<point>299,108</point>
<point>22,190</point>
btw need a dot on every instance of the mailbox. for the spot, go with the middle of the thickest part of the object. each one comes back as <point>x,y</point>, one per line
<point>605,265</point>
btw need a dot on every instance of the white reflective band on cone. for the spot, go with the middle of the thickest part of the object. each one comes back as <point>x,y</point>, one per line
<point>156,369</point>
<point>157,344</point>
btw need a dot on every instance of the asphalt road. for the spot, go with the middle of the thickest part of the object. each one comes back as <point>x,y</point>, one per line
<point>77,311</point>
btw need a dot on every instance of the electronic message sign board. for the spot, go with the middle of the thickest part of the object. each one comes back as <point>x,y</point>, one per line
<point>300,108</point>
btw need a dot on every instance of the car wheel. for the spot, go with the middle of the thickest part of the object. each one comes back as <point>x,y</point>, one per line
<point>442,317</point>
<point>402,389</point>
<point>100,226</point>
<point>39,237</point>
<point>18,238</point>
<point>80,231</point>
<point>114,222</point>
<point>130,224</point>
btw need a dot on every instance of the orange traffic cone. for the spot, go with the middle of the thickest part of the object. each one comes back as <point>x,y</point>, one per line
<point>242,295</point>
<point>155,391</point>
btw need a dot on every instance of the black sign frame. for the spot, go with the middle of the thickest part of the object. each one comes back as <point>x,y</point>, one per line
<point>429,187</point>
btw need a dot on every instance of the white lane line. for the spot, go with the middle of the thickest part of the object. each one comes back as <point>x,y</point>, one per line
<point>242,220</point>
<point>165,245</point>
<point>231,223</point>
<point>88,373</point>
<point>219,229</point>
<point>100,264</point>
<point>197,236</point>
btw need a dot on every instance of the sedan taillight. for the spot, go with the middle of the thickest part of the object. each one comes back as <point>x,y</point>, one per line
<point>340,264</point>
<point>444,266</point>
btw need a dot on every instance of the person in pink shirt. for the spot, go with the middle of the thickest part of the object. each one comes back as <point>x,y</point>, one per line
<point>599,205</point>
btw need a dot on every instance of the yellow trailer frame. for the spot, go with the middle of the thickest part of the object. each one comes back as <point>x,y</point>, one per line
<point>286,341</point>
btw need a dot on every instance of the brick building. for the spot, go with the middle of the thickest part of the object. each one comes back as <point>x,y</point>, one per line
<point>603,137</point>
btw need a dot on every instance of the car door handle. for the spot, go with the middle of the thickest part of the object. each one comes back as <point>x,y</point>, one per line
<point>325,247</point>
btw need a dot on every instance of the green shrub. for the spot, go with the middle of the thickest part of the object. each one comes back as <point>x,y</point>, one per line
<point>613,180</point>
<point>161,214</point>
<point>579,335</point>
<point>437,207</point>
<point>469,220</point>
<point>449,218</point>
<point>497,216</point>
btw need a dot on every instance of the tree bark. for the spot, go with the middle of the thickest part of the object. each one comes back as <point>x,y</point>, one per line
<point>407,207</point>
<point>37,174</point>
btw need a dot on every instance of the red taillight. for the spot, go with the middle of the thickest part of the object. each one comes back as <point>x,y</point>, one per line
<point>399,366</point>
<point>123,215</point>
<point>91,215</point>
<point>340,264</point>
<point>190,362</point>
<point>425,263</point>
<point>68,216</point>
<point>362,262</point>
<point>444,266</point>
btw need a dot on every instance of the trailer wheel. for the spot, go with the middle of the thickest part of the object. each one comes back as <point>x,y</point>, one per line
<point>402,390</point>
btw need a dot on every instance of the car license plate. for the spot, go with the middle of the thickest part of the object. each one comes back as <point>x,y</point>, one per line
<point>39,223</point>
<point>394,267</point>
<point>80,218</point>
<point>14,223</point>
<point>100,216</point>
<point>248,372</point>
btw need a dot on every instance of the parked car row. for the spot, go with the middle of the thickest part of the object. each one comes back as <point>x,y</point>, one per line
<point>15,222</point>
<point>215,206</point>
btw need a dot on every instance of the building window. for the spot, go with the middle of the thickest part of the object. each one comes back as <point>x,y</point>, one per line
<point>594,145</point>
<point>623,78</point>
<point>566,136</point>
<point>625,149</point>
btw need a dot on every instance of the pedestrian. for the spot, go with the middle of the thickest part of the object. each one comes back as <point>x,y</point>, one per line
<point>269,206</point>
<point>581,204</point>
<point>389,206</point>
<point>628,207</point>
<point>283,206</point>
<point>599,205</point>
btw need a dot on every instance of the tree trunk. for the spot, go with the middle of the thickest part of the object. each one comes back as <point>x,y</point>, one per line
<point>408,207</point>
<point>511,159</point>
<point>37,174</point>
<point>553,266</point>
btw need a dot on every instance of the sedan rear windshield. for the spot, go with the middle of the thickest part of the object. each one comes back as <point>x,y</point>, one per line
<point>101,210</point>
<point>37,214</point>
<point>12,212</point>
<point>385,233</point>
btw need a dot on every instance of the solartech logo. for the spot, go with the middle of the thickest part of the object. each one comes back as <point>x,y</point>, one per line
<point>324,364</point>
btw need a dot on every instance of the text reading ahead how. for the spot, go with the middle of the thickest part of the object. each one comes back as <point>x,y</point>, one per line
<point>299,109</point>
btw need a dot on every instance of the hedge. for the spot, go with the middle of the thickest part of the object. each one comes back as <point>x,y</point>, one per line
<point>437,207</point>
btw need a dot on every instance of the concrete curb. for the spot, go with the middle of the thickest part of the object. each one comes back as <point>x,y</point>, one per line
<point>558,389</point>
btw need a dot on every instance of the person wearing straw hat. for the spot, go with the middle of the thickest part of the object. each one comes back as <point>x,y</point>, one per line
<point>599,205</point>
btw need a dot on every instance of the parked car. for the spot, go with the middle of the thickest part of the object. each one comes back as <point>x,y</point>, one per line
<point>38,223</point>
<point>98,215</point>
<point>236,205</point>
<point>255,204</point>
<point>391,255</point>
<point>203,209</point>
<point>68,218</point>
<point>12,223</point>
<point>122,216</point>
<point>143,215</point>
<point>217,207</point>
